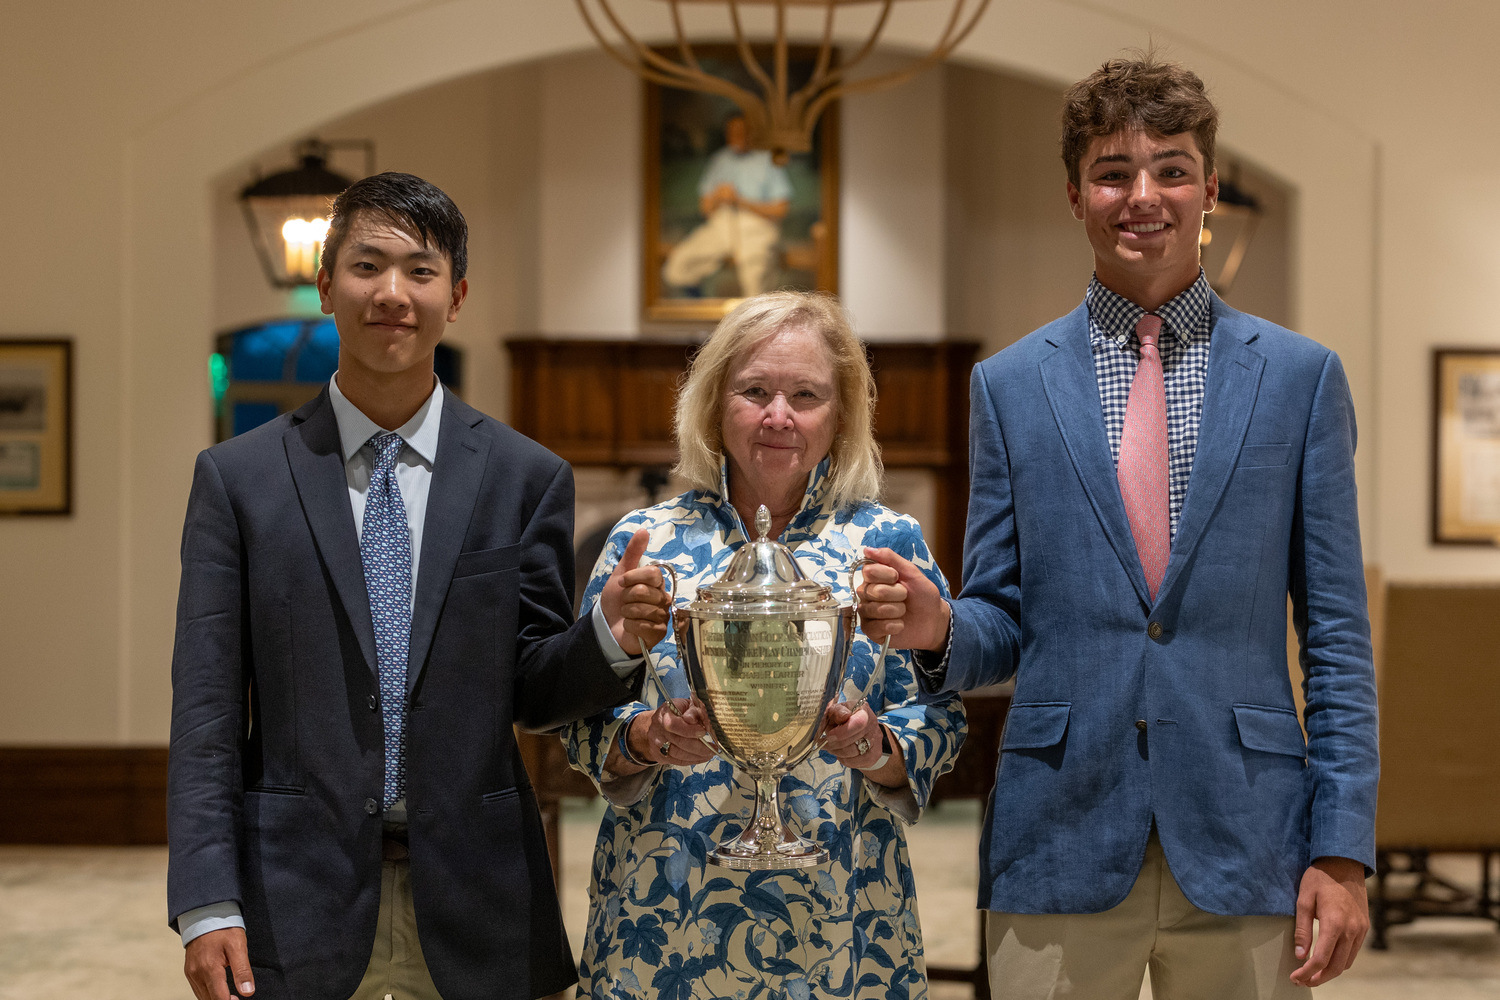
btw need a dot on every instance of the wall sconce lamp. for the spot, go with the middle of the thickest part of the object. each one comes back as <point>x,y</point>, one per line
<point>287,212</point>
<point>1244,209</point>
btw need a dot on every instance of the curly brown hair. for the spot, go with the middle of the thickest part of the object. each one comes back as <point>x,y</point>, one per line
<point>1160,98</point>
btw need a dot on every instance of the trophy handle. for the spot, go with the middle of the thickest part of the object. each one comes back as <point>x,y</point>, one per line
<point>652,670</point>
<point>877,670</point>
<point>850,692</point>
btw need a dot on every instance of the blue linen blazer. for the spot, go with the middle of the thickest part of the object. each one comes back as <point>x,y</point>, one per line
<point>1178,710</point>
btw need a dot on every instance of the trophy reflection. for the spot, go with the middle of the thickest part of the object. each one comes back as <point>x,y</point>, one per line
<point>765,648</point>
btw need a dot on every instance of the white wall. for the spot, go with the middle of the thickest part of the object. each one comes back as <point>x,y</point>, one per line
<point>590,246</point>
<point>1015,257</point>
<point>891,209</point>
<point>132,112</point>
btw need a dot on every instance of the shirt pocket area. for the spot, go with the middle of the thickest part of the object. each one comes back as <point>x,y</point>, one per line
<point>1036,725</point>
<point>1270,730</point>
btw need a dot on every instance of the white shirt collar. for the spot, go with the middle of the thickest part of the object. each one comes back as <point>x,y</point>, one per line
<point>355,429</point>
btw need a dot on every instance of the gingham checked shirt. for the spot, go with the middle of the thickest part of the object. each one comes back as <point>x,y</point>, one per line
<point>1184,361</point>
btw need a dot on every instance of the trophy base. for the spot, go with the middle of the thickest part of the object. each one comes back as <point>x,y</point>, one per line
<point>798,853</point>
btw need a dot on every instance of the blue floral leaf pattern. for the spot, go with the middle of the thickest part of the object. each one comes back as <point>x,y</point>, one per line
<point>662,921</point>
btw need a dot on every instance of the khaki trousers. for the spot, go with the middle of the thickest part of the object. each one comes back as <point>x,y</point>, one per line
<point>1192,955</point>
<point>397,969</point>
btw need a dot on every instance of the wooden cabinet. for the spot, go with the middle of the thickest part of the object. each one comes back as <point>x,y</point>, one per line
<point>609,402</point>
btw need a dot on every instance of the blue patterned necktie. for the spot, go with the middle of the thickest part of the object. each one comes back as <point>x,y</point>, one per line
<point>385,550</point>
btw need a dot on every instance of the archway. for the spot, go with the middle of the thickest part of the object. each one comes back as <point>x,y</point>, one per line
<point>171,165</point>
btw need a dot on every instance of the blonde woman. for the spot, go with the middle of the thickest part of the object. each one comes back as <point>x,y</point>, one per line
<point>777,409</point>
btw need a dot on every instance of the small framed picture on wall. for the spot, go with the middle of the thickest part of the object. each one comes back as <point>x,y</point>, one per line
<point>1466,447</point>
<point>724,221</point>
<point>36,426</point>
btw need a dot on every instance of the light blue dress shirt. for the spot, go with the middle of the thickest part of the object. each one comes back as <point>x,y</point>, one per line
<point>751,173</point>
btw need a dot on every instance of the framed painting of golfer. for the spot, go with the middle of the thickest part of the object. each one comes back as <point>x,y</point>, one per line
<point>724,221</point>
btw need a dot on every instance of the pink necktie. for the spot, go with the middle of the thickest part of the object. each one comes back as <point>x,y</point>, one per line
<point>1143,458</point>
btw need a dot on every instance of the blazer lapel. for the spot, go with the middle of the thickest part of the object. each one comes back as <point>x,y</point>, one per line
<point>1072,390</point>
<point>317,463</point>
<point>457,473</point>
<point>1234,372</point>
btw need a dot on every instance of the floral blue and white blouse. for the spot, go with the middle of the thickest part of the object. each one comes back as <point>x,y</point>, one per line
<point>661,924</point>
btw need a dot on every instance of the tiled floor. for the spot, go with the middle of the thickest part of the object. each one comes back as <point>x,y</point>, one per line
<point>88,922</point>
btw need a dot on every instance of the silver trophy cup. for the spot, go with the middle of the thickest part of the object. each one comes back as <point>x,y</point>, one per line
<point>765,648</point>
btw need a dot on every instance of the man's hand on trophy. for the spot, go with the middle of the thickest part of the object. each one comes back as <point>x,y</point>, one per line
<point>897,599</point>
<point>663,736</point>
<point>634,599</point>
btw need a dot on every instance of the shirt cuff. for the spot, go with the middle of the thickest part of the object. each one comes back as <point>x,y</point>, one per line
<point>899,800</point>
<point>213,917</point>
<point>621,662</point>
<point>932,666</point>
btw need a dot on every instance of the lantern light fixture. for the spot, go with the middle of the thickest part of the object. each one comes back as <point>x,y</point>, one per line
<point>287,212</point>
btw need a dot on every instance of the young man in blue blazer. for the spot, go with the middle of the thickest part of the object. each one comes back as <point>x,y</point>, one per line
<point>1153,475</point>
<point>375,588</point>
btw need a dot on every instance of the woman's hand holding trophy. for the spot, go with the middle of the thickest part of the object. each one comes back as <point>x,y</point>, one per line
<point>636,600</point>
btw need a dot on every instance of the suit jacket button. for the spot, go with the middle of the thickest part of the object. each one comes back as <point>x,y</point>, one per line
<point>374,703</point>
<point>371,807</point>
<point>1154,630</point>
<point>1140,724</point>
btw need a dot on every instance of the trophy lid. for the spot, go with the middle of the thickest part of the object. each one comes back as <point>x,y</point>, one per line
<point>765,572</point>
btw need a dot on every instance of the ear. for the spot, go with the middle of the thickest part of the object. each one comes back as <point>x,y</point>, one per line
<point>325,282</point>
<point>1211,192</point>
<point>1075,200</point>
<point>460,292</point>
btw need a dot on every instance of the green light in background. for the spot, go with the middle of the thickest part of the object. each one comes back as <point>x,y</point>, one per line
<point>303,301</point>
<point>218,377</point>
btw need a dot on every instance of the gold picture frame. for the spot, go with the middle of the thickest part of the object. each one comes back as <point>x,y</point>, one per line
<point>36,426</point>
<point>684,130</point>
<point>1466,447</point>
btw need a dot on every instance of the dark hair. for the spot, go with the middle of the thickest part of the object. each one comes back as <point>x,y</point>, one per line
<point>1159,98</point>
<point>417,208</point>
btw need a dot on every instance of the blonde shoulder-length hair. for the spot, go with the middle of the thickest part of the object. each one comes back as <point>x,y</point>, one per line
<point>855,473</point>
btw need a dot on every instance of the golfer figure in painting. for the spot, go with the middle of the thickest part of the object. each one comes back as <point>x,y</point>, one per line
<point>743,196</point>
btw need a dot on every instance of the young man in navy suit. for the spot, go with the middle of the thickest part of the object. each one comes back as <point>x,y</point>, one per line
<point>375,588</point>
<point>1153,475</point>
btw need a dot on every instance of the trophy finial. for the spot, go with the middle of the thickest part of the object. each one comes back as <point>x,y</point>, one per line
<point>762,522</point>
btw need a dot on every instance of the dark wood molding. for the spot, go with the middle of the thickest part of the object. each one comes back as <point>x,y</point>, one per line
<point>83,795</point>
<point>112,796</point>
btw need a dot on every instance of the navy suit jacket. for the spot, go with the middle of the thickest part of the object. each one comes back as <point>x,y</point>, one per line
<point>277,755</point>
<point>1178,710</point>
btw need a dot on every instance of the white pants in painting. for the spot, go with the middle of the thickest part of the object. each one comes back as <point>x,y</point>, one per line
<point>734,233</point>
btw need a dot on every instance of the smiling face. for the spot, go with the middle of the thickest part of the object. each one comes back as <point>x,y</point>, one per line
<point>780,416</point>
<point>390,297</point>
<point>1141,201</point>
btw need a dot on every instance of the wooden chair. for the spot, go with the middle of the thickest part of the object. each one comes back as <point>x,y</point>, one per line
<point>1439,753</point>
